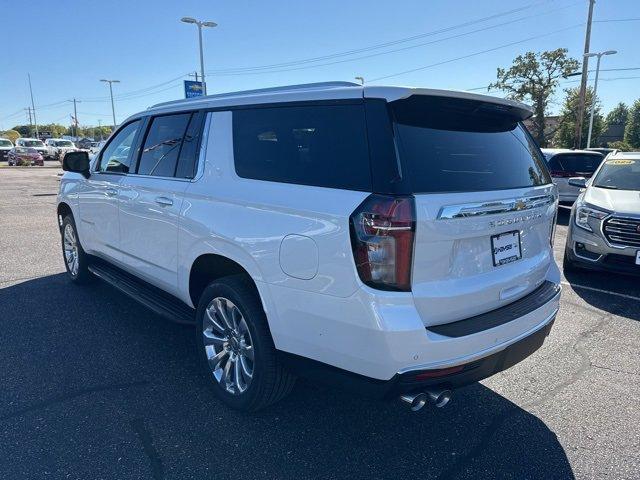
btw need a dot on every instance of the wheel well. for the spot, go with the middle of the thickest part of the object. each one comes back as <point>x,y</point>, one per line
<point>210,267</point>
<point>63,211</point>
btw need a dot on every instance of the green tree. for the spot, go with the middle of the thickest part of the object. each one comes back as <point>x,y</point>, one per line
<point>620,146</point>
<point>533,77</point>
<point>632,130</point>
<point>617,116</point>
<point>565,134</point>
<point>12,135</point>
<point>25,130</point>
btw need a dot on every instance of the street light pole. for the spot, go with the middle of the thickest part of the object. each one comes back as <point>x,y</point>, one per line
<point>75,116</point>
<point>33,106</point>
<point>583,80</point>
<point>200,24</point>
<point>360,79</point>
<point>113,109</point>
<point>595,88</point>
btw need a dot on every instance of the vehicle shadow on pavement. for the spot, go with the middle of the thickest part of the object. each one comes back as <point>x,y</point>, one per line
<point>96,386</point>
<point>618,294</point>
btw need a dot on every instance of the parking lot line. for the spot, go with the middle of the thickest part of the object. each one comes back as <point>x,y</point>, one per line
<point>584,287</point>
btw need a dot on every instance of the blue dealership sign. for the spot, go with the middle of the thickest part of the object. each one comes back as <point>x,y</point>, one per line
<point>192,89</point>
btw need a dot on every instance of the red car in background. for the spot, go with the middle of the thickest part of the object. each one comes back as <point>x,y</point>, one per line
<point>24,156</point>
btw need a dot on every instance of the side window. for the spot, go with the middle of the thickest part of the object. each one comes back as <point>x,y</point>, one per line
<point>117,156</point>
<point>162,145</point>
<point>190,147</point>
<point>320,145</point>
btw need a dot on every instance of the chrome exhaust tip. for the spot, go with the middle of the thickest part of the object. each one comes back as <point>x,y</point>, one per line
<point>415,400</point>
<point>439,397</point>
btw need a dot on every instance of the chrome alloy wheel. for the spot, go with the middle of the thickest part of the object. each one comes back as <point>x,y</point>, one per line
<point>71,249</point>
<point>228,345</point>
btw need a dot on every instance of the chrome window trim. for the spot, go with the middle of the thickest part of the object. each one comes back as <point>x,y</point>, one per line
<point>493,208</point>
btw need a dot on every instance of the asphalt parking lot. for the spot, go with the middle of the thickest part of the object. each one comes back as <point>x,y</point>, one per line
<point>94,386</point>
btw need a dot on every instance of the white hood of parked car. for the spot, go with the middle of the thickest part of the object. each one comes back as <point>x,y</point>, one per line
<point>619,201</point>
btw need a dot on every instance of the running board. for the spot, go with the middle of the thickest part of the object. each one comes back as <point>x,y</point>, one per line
<point>151,297</point>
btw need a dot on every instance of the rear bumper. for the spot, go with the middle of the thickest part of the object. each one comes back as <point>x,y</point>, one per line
<point>381,335</point>
<point>418,381</point>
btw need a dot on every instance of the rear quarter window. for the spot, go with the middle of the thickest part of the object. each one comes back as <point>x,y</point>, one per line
<point>459,145</point>
<point>319,145</point>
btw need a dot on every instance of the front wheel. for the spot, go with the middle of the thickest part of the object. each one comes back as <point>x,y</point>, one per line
<point>76,261</point>
<point>236,346</point>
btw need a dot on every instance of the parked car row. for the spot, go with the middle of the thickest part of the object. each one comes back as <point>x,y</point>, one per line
<point>50,149</point>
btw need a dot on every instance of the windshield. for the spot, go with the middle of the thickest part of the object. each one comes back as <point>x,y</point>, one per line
<point>32,143</point>
<point>64,143</point>
<point>5,143</point>
<point>619,174</point>
<point>455,145</point>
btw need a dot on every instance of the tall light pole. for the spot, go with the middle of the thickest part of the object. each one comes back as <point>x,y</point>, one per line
<point>75,115</point>
<point>113,109</point>
<point>360,79</point>
<point>595,87</point>
<point>33,107</point>
<point>200,24</point>
<point>583,80</point>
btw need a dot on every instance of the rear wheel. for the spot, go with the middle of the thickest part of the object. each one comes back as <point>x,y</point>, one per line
<point>236,346</point>
<point>76,261</point>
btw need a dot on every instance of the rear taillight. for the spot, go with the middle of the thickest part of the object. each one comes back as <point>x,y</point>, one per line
<point>382,235</point>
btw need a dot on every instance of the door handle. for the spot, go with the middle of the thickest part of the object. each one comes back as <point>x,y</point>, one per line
<point>111,192</point>
<point>164,201</point>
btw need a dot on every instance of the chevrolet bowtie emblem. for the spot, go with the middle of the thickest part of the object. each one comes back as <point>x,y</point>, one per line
<point>520,205</point>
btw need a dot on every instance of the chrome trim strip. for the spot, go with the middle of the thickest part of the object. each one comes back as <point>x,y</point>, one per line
<point>493,208</point>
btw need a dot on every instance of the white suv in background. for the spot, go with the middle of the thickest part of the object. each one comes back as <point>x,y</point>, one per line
<point>397,241</point>
<point>58,147</point>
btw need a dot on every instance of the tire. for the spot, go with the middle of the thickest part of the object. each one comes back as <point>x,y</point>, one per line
<point>268,381</point>
<point>78,273</point>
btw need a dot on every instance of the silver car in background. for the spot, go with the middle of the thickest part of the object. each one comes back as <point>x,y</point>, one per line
<point>564,164</point>
<point>604,230</point>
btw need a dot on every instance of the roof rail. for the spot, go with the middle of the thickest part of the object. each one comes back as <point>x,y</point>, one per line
<point>287,88</point>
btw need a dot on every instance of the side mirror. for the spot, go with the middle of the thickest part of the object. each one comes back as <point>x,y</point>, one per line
<point>76,162</point>
<point>579,182</point>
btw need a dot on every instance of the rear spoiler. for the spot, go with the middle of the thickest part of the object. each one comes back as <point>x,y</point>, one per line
<point>518,110</point>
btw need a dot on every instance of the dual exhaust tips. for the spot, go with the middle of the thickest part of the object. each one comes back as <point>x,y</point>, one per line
<point>439,398</point>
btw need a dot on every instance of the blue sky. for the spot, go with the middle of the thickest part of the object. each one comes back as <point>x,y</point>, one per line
<point>67,49</point>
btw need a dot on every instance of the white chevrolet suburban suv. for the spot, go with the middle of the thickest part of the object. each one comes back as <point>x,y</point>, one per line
<point>396,241</point>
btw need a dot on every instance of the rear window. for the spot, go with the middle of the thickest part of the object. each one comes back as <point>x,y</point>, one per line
<point>5,143</point>
<point>457,145</point>
<point>320,145</point>
<point>576,162</point>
